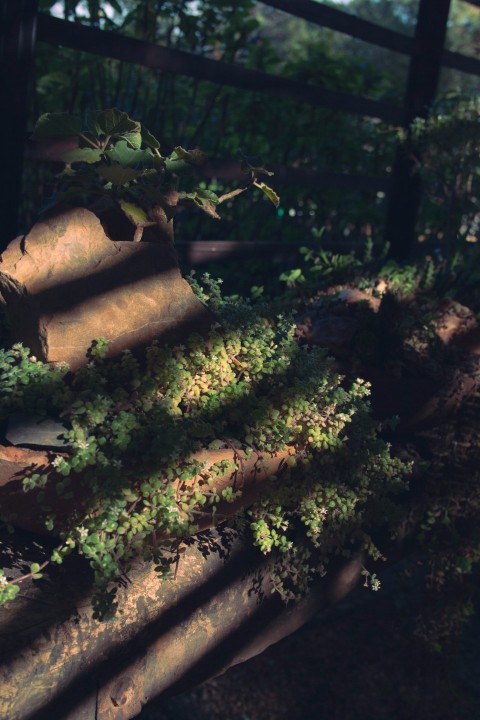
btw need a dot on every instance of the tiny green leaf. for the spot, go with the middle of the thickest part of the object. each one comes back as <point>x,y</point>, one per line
<point>149,139</point>
<point>134,213</point>
<point>194,157</point>
<point>271,194</point>
<point>204,199</point>
<point>181,158</point>
<point>205,194</point>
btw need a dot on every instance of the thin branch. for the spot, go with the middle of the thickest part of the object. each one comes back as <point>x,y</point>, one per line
<point>30,574</point>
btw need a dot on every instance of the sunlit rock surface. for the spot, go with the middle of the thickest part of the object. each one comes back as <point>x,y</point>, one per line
<point>66,283</point>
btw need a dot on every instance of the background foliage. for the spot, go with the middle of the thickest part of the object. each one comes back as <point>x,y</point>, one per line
<point>224,121</point>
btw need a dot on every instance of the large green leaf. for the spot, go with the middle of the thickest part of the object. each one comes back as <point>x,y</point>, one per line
<point>113,122</point>
<point>134,139</point>
<point>87,155</point>
<point>123,154</point>
<point>56,125</point>
<point>117,175</point>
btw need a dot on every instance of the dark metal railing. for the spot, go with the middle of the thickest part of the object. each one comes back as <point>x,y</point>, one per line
<point>22,26</point>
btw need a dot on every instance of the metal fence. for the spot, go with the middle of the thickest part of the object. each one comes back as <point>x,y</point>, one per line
<point>22,26</point>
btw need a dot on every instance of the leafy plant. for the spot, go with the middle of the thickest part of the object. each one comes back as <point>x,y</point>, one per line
<point>132,475</point>
<point>118,158</point>
<point>446,148</point>
<point>410,329</point>
<point>455,277</point>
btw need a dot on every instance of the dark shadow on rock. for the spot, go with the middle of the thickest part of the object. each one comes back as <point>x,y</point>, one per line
<point>116,661</point>
<point>87,286</point>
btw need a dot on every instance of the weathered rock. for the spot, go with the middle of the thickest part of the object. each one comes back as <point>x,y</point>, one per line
<point>57,662</point>
<point>454,321</point>
<point>353,295</point>
<point>31,430</point>
<point>333,332</point>
<point>66,283</point>
<point>252,478</point>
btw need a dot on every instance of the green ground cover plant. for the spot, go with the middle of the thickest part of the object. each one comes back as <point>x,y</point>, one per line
<point>135,426</point>
<point>414,328</point>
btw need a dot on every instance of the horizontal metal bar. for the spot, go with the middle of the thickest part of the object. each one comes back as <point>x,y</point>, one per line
<point>108,44</point>
<point>370,32</point>
<point>457,61</point>
<point>52,150</point>
<point>231,170</point>
<point>200,252</point>
<point>345,23</point>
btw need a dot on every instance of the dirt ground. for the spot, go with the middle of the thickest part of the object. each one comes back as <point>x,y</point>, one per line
<point>357,661</point>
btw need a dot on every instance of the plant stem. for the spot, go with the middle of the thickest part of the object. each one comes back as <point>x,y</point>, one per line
<point>90,142</point>
<point>29,575</point>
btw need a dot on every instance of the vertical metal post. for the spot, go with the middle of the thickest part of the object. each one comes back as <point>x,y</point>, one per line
<point>422,84</point>
<point>17,40</point>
